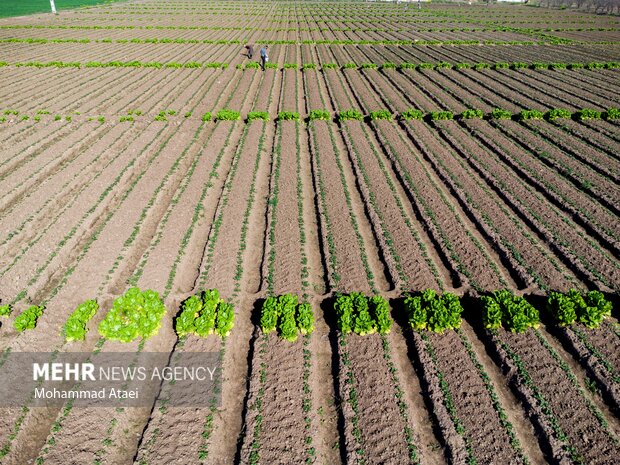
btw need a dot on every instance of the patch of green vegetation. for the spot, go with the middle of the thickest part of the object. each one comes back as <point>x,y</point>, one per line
<point>227,115</point>
<point>10,8</point>
<point>319,115</point>
<point>412,114</point>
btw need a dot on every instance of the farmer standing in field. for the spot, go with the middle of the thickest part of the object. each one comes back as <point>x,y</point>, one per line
<point>264,57</point>
<point>250,49</point>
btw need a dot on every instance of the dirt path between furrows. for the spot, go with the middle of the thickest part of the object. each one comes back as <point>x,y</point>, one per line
<point>218,269</point>
<point>395,227</point>
<point>372,418</point>
<point>287,276</point>
<point>347,269</point>
<point>599,184</point>
<point>530,259</point>
<point>522,191</point>
<point>593,133</point>
<point>46,201</point>
<point>596,355</point>
<point>168,423</point>
<point>569,404</point>
<point>414,396</point>
<point>582,157</point>
<point>487,434</point>
<point>280,408</point>
<point>438,208</point>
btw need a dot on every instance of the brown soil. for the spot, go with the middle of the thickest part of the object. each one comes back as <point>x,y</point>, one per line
<point>288,253</point>
<point>582,157</point>
<point>349,263</point>
<point>455,449</point>
<point>569,406</point>
<point>594,134</point>
<point>407,265</point>
<point>591,349</point>
<point>160,443</point>
<point>524,429</point>
<point>489,440</point>
<point>222,275</point>
<point>381,425</point>
<point>602,186</point>
<point>506,230</point>
<point>550,220</point>
<point>456,226</point>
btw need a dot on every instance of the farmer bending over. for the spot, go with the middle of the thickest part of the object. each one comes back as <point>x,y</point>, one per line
<point>250,49</point>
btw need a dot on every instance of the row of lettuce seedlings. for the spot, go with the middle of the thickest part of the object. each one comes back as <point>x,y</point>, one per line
<point>387,66</point>
<point>543,39</point>
<point>313,29</point>
<point>434,312</point>
<point>138,314</point>
<point>356,115</point>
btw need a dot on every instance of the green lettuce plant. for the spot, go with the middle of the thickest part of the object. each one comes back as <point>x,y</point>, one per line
<point>75,327</point>
<point>28,318</point>
<point>136,314</point>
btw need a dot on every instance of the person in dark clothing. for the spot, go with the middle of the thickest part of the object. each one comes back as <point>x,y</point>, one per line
<point>250,49</point>
<point>264,57</point>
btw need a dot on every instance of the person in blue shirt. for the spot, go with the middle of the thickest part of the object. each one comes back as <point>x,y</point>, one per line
<point>264,57</point>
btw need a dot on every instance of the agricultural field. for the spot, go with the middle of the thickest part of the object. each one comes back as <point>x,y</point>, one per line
<point>10,8</point>
<point>400,240</point>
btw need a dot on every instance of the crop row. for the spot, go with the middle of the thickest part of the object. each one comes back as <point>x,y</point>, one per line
<point>274,195</point>
<point>115,64</point>
<point>204,314</point>
<point>138,314</point>
<point>362,315</point>
<point>556,424</point>
<point>521,198</point>
<point>324,67</point>
<point>401,16</point>
<point>400,42</point>
<point>241,13</point>
<point>355,115</point>
<point>288,316</point>
<point>313,29</point>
